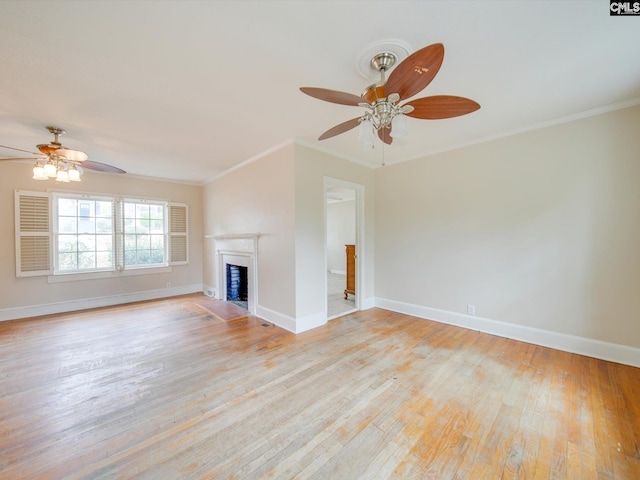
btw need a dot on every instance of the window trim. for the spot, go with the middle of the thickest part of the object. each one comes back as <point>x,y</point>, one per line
<point>73,277</point>
<point>54,196</point>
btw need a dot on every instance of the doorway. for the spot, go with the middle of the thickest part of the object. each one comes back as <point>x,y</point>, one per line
<point>342,247</point>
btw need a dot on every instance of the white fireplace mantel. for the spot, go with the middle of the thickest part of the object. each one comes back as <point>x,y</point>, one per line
<point>238,249</point>
<point>232,236</point>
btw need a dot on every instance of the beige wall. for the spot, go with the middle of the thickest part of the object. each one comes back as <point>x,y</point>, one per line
<point>35,291</point>
<point>281,196</point>
<point>311,168</point>
<point>540,229</point>
<point>537,230</point>
<point>258,198</point>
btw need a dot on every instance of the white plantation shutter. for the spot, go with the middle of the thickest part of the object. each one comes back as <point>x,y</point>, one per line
<point>178,234</point>
<point>33,236</point>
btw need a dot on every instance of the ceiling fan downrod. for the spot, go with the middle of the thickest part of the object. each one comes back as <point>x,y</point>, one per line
<point>382,106</point>
<point>56,132</point>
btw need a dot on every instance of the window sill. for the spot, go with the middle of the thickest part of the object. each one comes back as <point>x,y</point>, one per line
<point>78,277</point>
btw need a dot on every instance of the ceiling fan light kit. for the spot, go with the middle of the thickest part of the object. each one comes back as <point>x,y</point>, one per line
<point>59,171</point>
<point>384,114</point>
<point>61,161</point>
<point>365,134</point>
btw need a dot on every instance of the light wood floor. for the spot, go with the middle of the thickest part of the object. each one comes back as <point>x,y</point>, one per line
<point>188,388</point>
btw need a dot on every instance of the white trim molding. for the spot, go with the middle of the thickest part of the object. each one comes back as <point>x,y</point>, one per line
<point>368,303</point>
<point>277,318</point>
<point>234,236</point>
<point>560,341</point>
<point>294,325</point>
<point>360,240</point>
<point>239,249</point>
<point>257,157</point>
<point>311,321</point>
<point>15,313</point>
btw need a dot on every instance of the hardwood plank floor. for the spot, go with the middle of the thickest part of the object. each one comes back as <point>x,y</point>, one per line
<point>190,387</point>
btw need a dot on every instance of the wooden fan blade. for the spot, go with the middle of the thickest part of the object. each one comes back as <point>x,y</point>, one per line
<point>416,71</point>
<point>19,150</point>
<point>338,129</point>
<point>441,106</point>
<point>72,155</point>
<point>385,135</point>
<point>101,167</point>
<point>333,96</point>
<point>21,158</point>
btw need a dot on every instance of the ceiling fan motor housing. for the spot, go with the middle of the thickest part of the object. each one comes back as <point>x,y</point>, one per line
<point>374,93</point>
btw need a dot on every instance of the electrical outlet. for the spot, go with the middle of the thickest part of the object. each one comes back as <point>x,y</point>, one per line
<point>168,284</point>
<point>471,309</point>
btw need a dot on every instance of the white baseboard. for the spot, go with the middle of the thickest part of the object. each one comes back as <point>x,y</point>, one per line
<point>277,318</point>
<point>85,303</point>
<point>560,341</point>
<point>294,325</point>
<point>367,303</point>
<point>311,321</point>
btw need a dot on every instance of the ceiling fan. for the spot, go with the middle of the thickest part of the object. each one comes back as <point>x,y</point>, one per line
<point>382,99</point>
<point>57,161</point>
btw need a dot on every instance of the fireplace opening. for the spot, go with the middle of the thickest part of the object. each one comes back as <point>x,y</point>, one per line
<point>238,285</point>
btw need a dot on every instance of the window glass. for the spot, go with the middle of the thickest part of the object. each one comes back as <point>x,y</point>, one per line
<point>87,236</point>
<point>145,234</point>
<point>84,234</point>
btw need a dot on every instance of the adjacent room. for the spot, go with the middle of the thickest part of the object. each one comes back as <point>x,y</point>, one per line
<point>341,250</point>
<point>330,240</point>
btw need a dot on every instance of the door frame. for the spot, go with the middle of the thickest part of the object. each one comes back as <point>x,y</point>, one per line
<point>329,182</point>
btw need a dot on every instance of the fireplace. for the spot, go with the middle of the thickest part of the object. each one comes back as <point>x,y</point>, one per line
<point>237,285</point>
<point>237,269</point>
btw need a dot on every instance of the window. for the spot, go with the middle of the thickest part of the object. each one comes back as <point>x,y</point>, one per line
<point>145,234</point>
<point>83,234</point>
<point>65,233</point>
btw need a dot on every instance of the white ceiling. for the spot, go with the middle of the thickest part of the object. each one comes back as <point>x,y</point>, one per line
<point>186,90</point>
